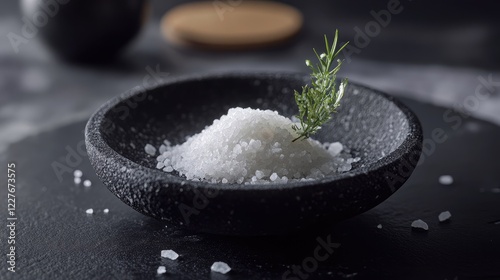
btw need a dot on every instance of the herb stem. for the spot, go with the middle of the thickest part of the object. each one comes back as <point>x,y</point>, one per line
<point>320,100</point>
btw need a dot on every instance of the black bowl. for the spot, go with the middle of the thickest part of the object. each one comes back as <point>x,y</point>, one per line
<point>383,132</point>
<point>85,30</point>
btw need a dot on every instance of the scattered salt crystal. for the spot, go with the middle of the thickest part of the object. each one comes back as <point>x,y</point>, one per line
<point>105,211</point>
<point>77,173</point>
<point>273,177</point>
<point>89,211</point>
<point>168,169</point>
<point>335,148</point>
<point>220,267</point>
<point>77,180</point>
<point>87,183</point>
<point>445,180</point>
<point>419,225</point>
<point>161,270</point>
<point>161,158</point>
<point>150,150</point>
<point>444,216</point>
<point>224,180</point>
<point>169,254</point>
<point>379,226</point>
<point>163,149</point>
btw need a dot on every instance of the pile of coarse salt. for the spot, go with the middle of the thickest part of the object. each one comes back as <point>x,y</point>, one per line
<point>253,146</point>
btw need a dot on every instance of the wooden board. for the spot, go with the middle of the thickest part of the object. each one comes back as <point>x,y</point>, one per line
<point>231,24</point>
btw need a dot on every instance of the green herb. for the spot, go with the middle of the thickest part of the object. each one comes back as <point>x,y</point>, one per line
<point>318,101</point>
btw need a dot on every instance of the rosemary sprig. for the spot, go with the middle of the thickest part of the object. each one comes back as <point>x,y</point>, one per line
<point>318,101</point>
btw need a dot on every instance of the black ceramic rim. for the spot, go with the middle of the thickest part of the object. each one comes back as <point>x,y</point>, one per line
<point>95,139</point>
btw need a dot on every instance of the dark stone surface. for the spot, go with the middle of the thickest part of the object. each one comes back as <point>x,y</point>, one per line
<point>385,135</point>
<point>56,239</point>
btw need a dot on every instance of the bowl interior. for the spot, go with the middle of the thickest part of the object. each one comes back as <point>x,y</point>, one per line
<point>368,123</point>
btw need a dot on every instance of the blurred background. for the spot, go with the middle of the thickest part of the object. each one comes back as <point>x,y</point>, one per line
<point>86,51</point>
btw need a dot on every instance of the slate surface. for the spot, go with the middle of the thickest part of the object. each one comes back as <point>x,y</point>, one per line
<point>57,240</point>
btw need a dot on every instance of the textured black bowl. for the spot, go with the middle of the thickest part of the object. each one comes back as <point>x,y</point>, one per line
<point>383,132</point>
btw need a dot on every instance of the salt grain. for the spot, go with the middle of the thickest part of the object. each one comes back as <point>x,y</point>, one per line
<point>105,211</point>
<point>89,211</point>
<point>273,177</point>
<point>77,180</point>
<point>444,216</point>
<point>419,225</point>
<point>161,270</point>
<point>379,226</point>
<point>168,169</point>
<point>446,180</point>
<point>169,254</point>
<point>220,267</point>
<point>77,173</point>
<point>335,148</point>
<point>87,183</point>
<point>150,150</point>
<point>163,149</point>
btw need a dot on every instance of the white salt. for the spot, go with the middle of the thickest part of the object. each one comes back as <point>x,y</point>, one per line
<point>220,267</point>
<point>161,270</point>
<point>105,211</point>
<point>77,173</point>
<point>419,225</point>
<point>444,216</point>
<point>335,148</point>
<point>169,254</point>
<point>77,180</point>
<point>445,180</point>
<point>379,226</point>
<point>150,150</point>
<point>89,211</point>
<point>168,169</point>
<point>163,149</point>
<point>253,146</point>
<point>87,183</point>
<point>273,177</point>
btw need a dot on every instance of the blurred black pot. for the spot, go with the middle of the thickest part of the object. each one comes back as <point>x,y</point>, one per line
<point>84,30</point>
